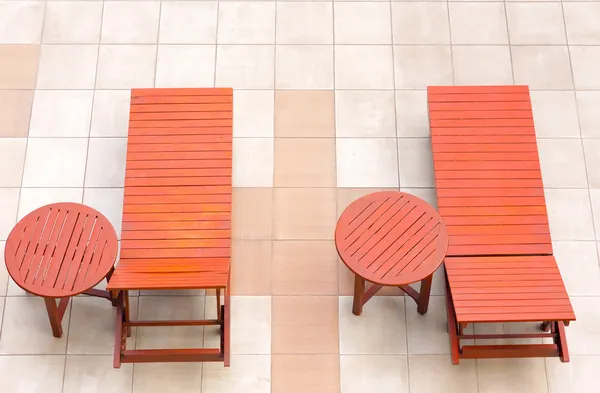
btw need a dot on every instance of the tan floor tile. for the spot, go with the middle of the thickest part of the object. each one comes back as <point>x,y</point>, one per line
<point>2,299</point>
<point>304,268</point>
<point>346,283</point>
<point>512,375</point>
<point>251,267</point>
<point>251,326</point>
<point>12,160</point>
<point>304,114</point>
<point>170,308</point>
<point>9,202</point>
<point>26,328</point>
<point>304,162</point>
<point>93,326</point>
<point>18,66</point>
<point>381,374</point>
<point>252,213</point>
<point>305,374</point>
<point>95,374</point>
<point>3,277</point>
<point>345,196</point>
<point>15,111</point>
<point>379,330</point>
<point>304,213</point>
<point>248,374</point>
<point>436,373</point>
<point>16,374</point>
<point>305,324</point>
<point>427,334</point>
<point>579,375</point>
<point>168,377</point>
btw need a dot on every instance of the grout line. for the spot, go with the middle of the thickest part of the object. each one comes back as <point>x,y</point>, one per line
<point>451,45</point>
<point>510,45</point>
<point>394,92</point>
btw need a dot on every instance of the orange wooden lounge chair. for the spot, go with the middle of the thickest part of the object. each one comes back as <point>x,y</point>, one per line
<point>499,265</point>
<point>177,211</point>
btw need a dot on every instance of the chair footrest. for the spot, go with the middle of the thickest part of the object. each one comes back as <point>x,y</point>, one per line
<point>173,355</point>
<point>508,351</point>
<point>191,322</point>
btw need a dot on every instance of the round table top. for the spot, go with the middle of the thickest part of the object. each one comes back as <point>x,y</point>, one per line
<point>61,250</point>
<point>391,238</point>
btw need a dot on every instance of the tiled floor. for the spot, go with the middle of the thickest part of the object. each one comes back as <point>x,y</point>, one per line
<point>329,105</point>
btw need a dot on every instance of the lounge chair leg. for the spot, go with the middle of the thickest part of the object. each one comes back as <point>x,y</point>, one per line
<point>452,324</point>
<point>561,341</point>
<point>545,326</point>
<point>424,292</point>
<point>226,324</point>
<point>359,294</point>
<point>118,332</point>
<point>218,293</point>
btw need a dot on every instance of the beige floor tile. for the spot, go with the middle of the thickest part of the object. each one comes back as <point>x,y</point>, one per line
<point>250,267</point>
<point>304,67</point>
<point>420,23</point>
<point>3,280</point>
<point>250,327</point>
<point>305,374</point>
<point>512,375</point>
<point>304,268</point>
<point>580,19</point>
<point>536,24</point>
<point>92,328</point>
<point>12,160</point>
<point>478,23</point>
<point>579,266</point>
<point>67,67</point>
<point>9,201</point>
<point>595,198</point>
<point>427,194</point>
<point>562,163</point>
<point>95,374</point>
<point>428,334</point>
<point>185,22</point>
<point>346,283</point>
<point>542,67</point>
<point>170,308</point>
<point>583,60</point>
<point>362,23</point>
<point>168,377</point>
<point>555,114</point>
<point>384,374</point>
<point>364,67</point>
<point>569,214</point>
<point>482,65</point>
<point>253,162</point>
<point>26,328</point>
<point>110,113</point>
<point>2,298</point>
<point>587,102</point>
<point>379,330</point>
<point>579,375</point>
<point>367,162</point>
<point>304,213</point>
<point>592,159</point>
<point>246,66</point>
<point>507,328</point>
<point>248,374</point>
<point>16,372</point>
<point>345,196</point>
<point>18,66</point>
<point>417,67</point>
<point>185,66</point>
<point>582,335</point>
<point>305,325</point>
<point>52,162</point>
<point>304,162</point>
<point>253,114</point>
<point>15,110</point>
<point>126,66</point>
<point>130,22</point>
<point>304,114</point>
<point>412,118</point>
<point>21,22</point>
<point>415,162</point>
<point>61,113</point>
<point>436,373</point>
<point>252,213</point>
<point>304,23</point>
<point>75,22</point>
<point>246,23</point>
<point>32,198</point>
<point>362,113</point>
<point>106,162</point>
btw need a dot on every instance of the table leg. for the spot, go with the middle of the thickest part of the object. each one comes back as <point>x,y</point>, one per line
<point>424,293</point>
<point>359,294</point>
<point>53,315</point>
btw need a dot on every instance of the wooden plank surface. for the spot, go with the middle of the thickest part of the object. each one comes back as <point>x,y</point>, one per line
<point>176,231</point>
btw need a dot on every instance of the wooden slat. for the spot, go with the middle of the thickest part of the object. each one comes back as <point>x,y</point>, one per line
<point>478,106</point>
<point>208,107</point>
<point>487,90</point>
<point>479,114</point>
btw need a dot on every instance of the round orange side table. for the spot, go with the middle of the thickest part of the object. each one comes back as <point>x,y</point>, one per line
<point>391,238</point>
<point>59,251</point>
